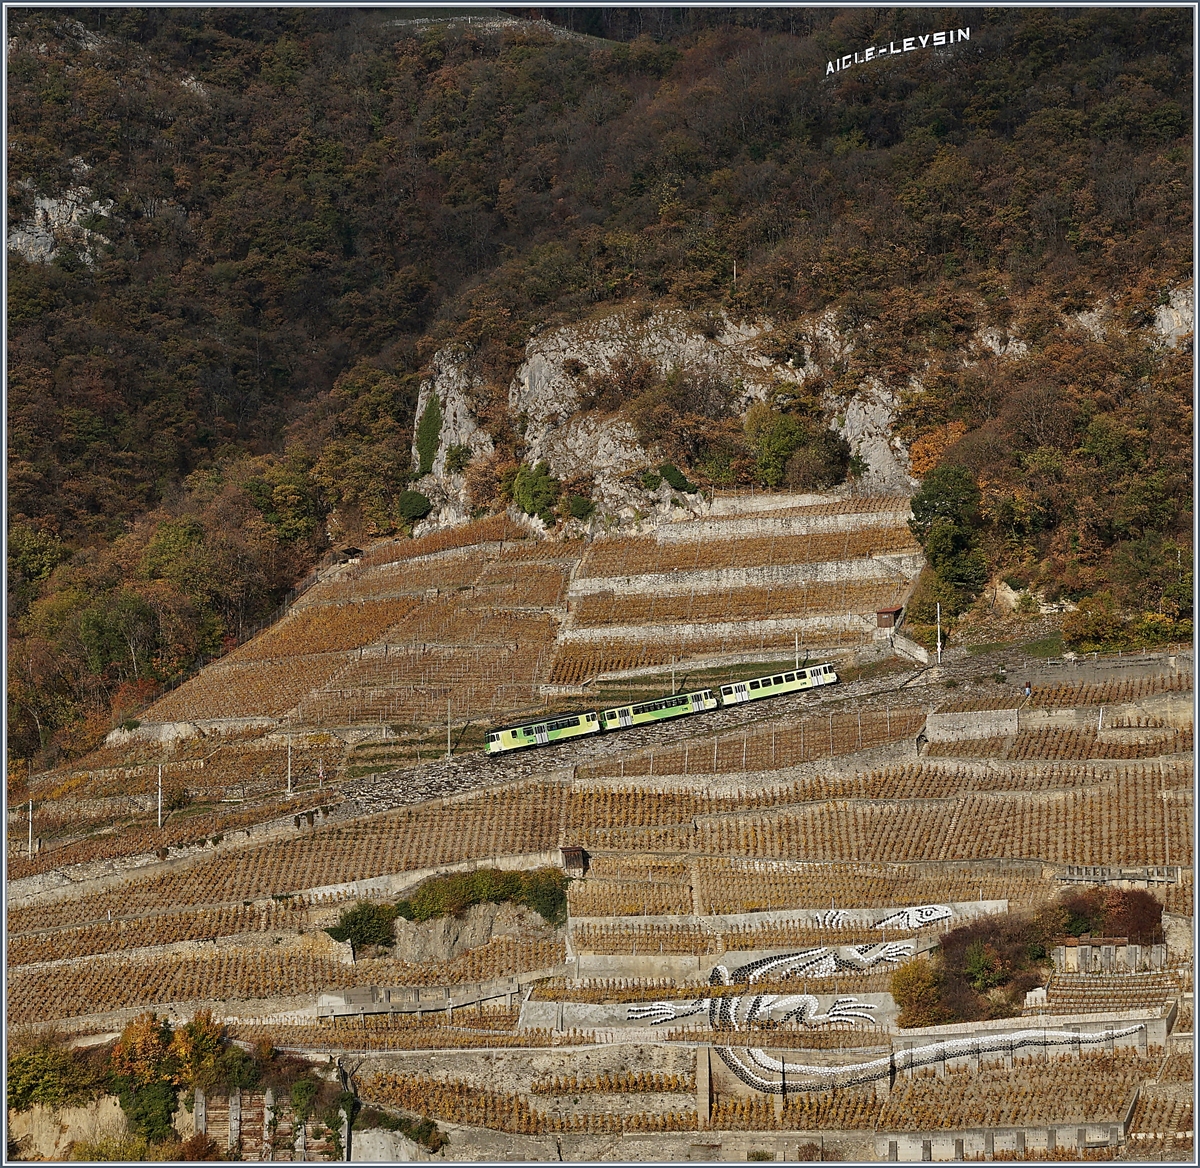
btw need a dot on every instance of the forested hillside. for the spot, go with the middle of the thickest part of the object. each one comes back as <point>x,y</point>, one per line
<point>237,238</point>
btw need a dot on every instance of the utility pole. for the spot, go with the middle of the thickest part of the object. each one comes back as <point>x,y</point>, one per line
<point>160,794</point>
<point>939,632</point>
<point>31,829</point>
<point>796,635</point>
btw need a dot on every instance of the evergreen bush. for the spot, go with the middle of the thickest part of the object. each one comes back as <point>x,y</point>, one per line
<point>413,506</point>
<point>429,431</point>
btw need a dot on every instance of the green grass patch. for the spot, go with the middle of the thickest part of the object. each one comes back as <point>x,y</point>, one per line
<point>1051,646</point>
<point>543,890</point>
<point>990,647</point>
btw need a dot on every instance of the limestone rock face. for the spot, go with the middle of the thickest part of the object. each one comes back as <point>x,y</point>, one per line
<point>447,937</point>
<point>59,221</point>
<point>545,391</point>
<point>547,401</point>
<point>1002,343</point>
<point>867,426</point>
<point>454,384</point>
<point>1176,319</point>
<point>45,1133</point>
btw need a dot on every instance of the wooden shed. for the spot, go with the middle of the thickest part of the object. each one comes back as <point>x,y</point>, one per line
<point>888,618</point>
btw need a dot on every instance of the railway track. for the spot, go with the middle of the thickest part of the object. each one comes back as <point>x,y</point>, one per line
<point>476,771</point>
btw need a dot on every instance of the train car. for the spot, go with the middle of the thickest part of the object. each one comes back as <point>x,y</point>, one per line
<point>642,713</point>
<point>540,733</point>
<point>788,681</point>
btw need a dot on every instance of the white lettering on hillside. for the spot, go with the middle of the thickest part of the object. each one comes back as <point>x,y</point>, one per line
<point>950,36</point>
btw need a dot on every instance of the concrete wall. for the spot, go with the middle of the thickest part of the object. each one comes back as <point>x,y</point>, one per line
<point>615,1015</point>
<point>815,917</point>
<point>971,724</point>
<point>479,1145</point>
<point>988,1142</point>
<point>1108,958</point>
<point>1156,1026</point>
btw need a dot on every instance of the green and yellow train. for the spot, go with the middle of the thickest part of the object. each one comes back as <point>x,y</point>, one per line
<point>566,726</point>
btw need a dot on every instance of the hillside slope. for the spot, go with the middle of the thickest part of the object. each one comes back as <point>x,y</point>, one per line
<point>243,242</point>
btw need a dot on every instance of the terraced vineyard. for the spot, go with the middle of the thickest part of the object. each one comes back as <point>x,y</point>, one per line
<point>827,813</point>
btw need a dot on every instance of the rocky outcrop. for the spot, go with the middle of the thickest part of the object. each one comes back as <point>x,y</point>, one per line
<point>60,221</point>
<point>1177,318</point>
<point>453,382</point>
<point>446,937</point>
<point>867,426</point>
<point>455,385</point>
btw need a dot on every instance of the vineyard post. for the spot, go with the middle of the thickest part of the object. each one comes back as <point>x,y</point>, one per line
<point>289,764</point>
<point>831,736</point>
<point>160,794</point>
<point>31,829</point>
<point>447,727</point>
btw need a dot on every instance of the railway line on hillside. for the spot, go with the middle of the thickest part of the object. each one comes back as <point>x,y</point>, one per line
<point>477,770</point>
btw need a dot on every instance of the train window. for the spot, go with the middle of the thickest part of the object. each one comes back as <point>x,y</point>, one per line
<point>528,731</point>
<point>777,680</point>
<point>789,677</point>
<point>727,689</point>
<point>755,684</point>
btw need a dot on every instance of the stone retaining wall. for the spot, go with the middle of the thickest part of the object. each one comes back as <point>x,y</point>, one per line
<point>828,622</point>
<point>704,530</point>
<point>901,568</point>
<point>971,724</point>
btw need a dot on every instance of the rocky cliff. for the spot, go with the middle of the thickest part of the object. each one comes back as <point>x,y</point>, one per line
<point>546,402</point>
